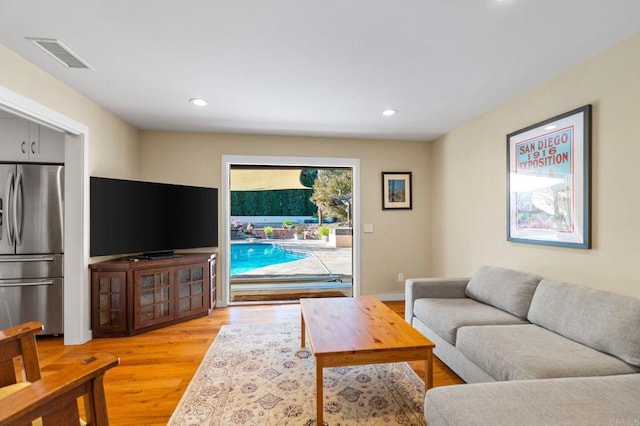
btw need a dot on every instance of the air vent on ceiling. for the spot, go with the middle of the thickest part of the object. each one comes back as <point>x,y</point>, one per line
<point>60,52</point>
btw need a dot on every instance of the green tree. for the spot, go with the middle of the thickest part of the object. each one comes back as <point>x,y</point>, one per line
<point>332,194</point>
<point>308,176</point>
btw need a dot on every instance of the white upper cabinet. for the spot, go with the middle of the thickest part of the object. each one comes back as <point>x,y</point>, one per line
<point>25,141</point>
<point>14,139</point>
<point>47,146</point>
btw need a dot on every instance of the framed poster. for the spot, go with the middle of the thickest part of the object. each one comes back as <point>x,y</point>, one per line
<point>548,181</point>
<point>396,190</point>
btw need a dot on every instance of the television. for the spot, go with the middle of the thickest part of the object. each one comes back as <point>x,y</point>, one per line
<point>152,219</point>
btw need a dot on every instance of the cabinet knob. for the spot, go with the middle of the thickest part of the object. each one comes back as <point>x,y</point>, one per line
<point>33,147</point>
<point>23,146</point>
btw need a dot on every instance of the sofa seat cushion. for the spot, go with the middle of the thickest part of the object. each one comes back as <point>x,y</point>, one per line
<point>521,352</point>
<point>605,321</point>
<point>610,400</point>
<point>503,288</point>
<point>446,316</point>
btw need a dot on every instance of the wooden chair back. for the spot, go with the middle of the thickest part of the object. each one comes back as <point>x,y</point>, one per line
<point>53,398</point>
<point>20,342</point>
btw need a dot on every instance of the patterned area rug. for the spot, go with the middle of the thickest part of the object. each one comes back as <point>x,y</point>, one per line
<point>258,374</point>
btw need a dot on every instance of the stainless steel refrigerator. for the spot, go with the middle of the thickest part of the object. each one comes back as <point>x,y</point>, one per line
<point>31,245</point>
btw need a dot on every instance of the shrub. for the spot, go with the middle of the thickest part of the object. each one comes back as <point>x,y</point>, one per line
<point>285,202</point>
<point>268,230</point>
<point>323,231</point>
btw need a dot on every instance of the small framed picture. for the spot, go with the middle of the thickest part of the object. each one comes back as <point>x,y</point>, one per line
<point>396,190</point>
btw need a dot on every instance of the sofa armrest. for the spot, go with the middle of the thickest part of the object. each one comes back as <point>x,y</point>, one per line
<point>441,288</point>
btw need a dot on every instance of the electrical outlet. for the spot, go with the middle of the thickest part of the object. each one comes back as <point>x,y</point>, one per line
<point>400,277</point>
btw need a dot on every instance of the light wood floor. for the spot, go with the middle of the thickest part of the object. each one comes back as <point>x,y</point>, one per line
<point>156,367</point>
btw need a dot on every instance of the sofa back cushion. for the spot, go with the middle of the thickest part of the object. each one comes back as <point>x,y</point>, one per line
<point>503,288</point>
<point>605,321</point>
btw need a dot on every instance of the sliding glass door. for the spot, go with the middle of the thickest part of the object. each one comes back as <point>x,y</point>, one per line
<point>289,230</point>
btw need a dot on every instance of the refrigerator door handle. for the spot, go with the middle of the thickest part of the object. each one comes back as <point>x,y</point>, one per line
<point>3,217</point>
<point>6,214</point>
<point>13,259</point>
<point>25,283</point>
<point>17,201</point>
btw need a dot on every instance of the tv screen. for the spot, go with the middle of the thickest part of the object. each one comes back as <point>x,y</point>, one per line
<point>131,217</point>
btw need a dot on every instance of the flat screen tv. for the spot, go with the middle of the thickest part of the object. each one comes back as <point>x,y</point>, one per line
<point>134,217</point>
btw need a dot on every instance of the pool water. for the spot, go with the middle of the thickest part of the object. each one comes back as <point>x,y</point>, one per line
<point>246,257</point>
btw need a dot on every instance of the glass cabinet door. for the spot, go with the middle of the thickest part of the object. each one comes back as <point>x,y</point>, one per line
<point>192,293</point>
<point>152,293</point>
<point>110,303</point>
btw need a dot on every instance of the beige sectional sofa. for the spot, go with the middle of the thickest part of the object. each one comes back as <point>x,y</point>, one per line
<point>551,348</point>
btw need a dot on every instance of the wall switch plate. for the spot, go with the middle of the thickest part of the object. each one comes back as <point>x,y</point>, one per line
<point>400,277</point>
<point>368,228</point>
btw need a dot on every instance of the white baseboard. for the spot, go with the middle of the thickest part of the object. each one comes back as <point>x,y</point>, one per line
<point>389,297</point>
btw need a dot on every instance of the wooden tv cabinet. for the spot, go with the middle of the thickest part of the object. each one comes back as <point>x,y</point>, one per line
<point>133,295</point>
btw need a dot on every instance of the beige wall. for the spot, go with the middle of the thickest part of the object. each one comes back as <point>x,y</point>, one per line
<point>469,179</point>
<point>111,149</point>
<point>459,216</point>
<point>400,242</point>
<point>113,144</point>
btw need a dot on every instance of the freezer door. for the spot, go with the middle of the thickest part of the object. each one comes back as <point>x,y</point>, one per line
<point>32,300</point>
<point>15,267</point>
<point>7,186</point>
<point>39,209</point>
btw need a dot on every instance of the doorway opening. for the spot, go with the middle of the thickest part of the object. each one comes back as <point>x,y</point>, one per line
<point>77,327</point>
<point>289,228</point>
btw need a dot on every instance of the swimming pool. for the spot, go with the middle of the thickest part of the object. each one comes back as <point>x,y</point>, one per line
<point>246,257</point>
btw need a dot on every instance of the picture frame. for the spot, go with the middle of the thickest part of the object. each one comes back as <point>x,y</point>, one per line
<point>397,191</point>
<point>549,181</point>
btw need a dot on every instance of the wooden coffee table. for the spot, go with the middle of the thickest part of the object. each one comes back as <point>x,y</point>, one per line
<point>359,330</point>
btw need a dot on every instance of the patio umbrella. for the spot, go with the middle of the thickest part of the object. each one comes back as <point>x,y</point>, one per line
<point>344,200</point>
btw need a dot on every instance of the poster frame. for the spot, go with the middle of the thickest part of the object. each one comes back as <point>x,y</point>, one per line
<point>534,189</point>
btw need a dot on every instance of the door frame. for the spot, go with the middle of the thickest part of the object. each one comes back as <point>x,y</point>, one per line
<point>76,296</point>
<point>320,162</point>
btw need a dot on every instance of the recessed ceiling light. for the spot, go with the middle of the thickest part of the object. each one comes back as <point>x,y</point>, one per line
<point>198,101</point>
<point>389,111</point>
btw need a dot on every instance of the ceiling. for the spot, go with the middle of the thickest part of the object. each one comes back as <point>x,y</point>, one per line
<point>313,68</point>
